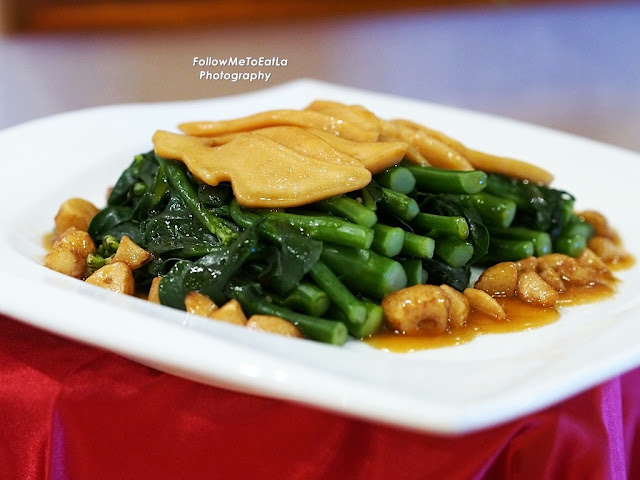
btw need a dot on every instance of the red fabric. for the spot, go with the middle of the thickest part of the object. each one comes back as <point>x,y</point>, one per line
<point>69,411</point>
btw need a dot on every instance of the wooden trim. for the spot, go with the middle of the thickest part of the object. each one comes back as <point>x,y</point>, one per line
<point>159,14</point>
<point>153,14</point>
<point>8,16</point>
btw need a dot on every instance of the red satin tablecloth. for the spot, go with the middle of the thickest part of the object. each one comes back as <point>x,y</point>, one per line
<point>70,411</point>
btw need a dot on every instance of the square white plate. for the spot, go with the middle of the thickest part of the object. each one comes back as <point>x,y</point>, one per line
<point>493,379</point>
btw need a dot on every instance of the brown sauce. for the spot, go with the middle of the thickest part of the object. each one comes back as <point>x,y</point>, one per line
<point>588,294</point>
<point>521,316</point>
<point>622,263</point>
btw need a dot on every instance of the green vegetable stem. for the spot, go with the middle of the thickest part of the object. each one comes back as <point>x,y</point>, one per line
<point>365,271</point>
<point>349,209</point>
<point>315,328</point>
<point>178,180</point>
<point>306,298</point>
<point>541,240</point>
<point>398,204</point>
<point>454,251</point>
<point>339,294</point>
<point>501,250</point>
<point>387,240</point>
<point>372,323</point>
<point>415,273</point>
<point>419,246</point>
<point>572,245</point>
<point>439,180</point>
<point>493,210</point>
<point>441,225</point>
<point>326,228</point>
<point>397,178</point>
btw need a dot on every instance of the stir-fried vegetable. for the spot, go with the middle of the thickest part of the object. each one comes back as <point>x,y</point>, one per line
<point>334,266</point>
<point>319,266</point>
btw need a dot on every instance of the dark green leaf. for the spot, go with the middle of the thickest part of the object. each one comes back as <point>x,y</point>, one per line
<point>215,196</point>
<point>120,192</point>
<point>157,191</point>
<point>209,275</point>
<point>116,221</point>
<point>176,229</point>
<point>439,273</point>
<point>294,257</point>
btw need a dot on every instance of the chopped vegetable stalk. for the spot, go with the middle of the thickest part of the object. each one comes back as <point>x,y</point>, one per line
<point>578,226</point>
<point>397,178</point>
<point>440,180</point>
<point>574,236</point>
<point>415,273</point>
<point>372,322</point>
<point>494,211</point>
<point>364,270</point>
<point>350,209</point>
<point>307,298</point>
<point>417,245</point>
<point>572,245</point>
<point>398,204</point>
<point>369,200</point>
<point>327,331</point>
<point>541,240</point>
<point>340,295</point>
<point>501,250</point>
<point>326,228</point>
<point>454,251</point>
<point>441,225</point>
<point>387,240</point>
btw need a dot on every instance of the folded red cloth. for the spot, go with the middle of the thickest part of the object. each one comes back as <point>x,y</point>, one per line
<point>70,411</point>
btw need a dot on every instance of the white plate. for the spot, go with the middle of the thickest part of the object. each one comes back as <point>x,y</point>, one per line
<point>493,379</point>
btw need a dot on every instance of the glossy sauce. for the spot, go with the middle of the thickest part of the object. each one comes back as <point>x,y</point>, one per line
<point>622,263</point>
<point>521,316</point>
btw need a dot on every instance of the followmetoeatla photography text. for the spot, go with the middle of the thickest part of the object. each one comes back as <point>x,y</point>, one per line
<point>238,69</point>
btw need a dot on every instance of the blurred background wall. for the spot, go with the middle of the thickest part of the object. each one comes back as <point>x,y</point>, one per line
<point>570,65</point>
